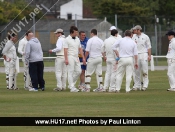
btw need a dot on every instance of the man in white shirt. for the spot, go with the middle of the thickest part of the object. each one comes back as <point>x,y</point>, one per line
<point>94,63</point>
<point>21,50</point>
<point>109,56</point>
<point>9,55</point>
<point>72,48</point>
<point>112,28</point>
<point>144,55</point>
<point>171,60</point>
<point>60,66</point>
<point>125,59</point>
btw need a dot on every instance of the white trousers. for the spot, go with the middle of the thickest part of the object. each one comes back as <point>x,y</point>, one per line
<point>142,71</point>
<point>27,79</point>
<point>94,65</point>
<point>124,65</point>
<point>110,75</point>
<point>60,72</point>
<point>74,71</point>
<point>10,70</point>
<point>171,72</point>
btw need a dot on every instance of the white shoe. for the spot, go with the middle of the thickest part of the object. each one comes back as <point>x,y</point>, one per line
<point>74,90</point>
<point>117,91</point>
<point>143,89</point>
<point>57,89</point>
<point>135,89</point>
<point>81,86</point>
<point>99,90</point>
<point>85,90</point>
<point>112,90</point>
<point>171,89</point>
<point>33,89</point>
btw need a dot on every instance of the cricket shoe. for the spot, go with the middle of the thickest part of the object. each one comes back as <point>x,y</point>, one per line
<point>33,89</point>
<point>99,90</point>
<point>82,86</point>
<point>85,90</point>
<point>74,90</point>
<point>171,89</point>
<point>57,89</point>
<point>112,90</point>
<point>143,89</point>
<point>135,89</point>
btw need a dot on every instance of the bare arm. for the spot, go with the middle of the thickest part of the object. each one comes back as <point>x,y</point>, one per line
<point>149,54</point>
<point>65,56</point>
<point>136,63</point>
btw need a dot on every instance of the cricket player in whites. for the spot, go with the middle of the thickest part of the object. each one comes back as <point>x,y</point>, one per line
<point>109,56</point>
<point>126,59</point>
<point>94,63</point>
<point>144,55</point>
<point>60,66</point>
<point>10,57</point>
<point>171,60</point>
<point>72,48</point>
<point>21,50</point>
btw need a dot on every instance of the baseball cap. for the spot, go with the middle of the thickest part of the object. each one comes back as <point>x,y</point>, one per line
<point>112,27</point>
<point>170,33</point>
<point>138,27</point>
<point>59,30</point>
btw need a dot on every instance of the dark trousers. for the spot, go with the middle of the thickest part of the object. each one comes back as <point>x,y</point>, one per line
<point>36,74</point>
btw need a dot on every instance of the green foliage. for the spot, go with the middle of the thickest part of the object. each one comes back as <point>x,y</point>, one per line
<point>16,11</point>
<point>130,12</point>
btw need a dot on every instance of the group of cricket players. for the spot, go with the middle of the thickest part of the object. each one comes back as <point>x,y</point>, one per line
<point>78,57</point>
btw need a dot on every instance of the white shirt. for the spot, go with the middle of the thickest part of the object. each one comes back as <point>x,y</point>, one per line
<point>94,47</point>
<point>127,46</point>
<point>143,42</point>
<point>73,46</point>
<point>59,46</point>
<point>107,46</point>
<point>10,50</point>
<point>171,49</point>
<point>22,46</point>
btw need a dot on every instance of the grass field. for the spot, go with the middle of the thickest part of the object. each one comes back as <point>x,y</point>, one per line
<point>155,102</point>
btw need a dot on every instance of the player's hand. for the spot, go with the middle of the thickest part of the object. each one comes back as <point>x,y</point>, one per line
<point>104,59</point>
<point>8,59</point>
<point>50,51</point>
<point>66,62</point>
<point>149,58</point>
<point>136,66</point>
<point>84,62</point>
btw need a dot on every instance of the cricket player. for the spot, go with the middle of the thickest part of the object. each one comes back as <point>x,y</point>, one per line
<point>21,50</point>
<point>10,57</point>
<point>109,56</point>
<point>60,66</point>
<point>94,63</point>
<point>83,40</point>
<point>144,55</point>
<point>112,28</point>
<point>126,57</point>
<point>171,60</point>
<point>72,48</point>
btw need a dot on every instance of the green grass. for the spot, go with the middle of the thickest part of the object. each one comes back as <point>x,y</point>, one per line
<point>155,102</point>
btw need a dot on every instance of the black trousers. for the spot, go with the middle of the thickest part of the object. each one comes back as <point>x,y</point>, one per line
<point>36,71</point>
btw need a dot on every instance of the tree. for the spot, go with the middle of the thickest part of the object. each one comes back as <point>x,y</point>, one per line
<point>15,10</point>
